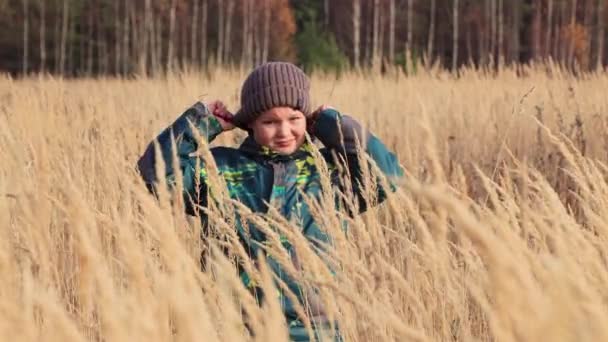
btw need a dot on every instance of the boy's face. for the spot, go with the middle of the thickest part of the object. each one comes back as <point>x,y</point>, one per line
<point>282,129</point>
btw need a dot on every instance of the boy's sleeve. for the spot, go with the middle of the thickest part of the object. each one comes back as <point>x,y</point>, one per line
<point>341,134</point>
<point>208,128</point>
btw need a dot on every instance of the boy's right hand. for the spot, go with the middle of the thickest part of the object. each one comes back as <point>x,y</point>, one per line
<point>222,114</point>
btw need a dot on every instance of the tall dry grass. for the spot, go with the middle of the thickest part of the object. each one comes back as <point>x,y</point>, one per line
<point>498,233</point>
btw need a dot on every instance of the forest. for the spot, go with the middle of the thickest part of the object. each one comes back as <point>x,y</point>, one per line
<point>147,37</point>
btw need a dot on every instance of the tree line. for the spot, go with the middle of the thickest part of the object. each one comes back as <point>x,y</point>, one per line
<point>124,37</point>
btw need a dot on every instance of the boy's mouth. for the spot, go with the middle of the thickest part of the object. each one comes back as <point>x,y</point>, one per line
<point>285,143</point>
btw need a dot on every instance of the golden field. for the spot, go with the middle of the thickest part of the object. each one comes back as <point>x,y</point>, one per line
<point>499,232</point>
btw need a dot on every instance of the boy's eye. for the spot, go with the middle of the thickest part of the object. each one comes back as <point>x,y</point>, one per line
<point>294,118</point>
<point>267,122</point>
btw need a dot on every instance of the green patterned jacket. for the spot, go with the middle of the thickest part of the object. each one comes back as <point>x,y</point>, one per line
<point>257,177</point>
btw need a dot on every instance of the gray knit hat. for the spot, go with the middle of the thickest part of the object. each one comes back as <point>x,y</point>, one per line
<point>270,85</point>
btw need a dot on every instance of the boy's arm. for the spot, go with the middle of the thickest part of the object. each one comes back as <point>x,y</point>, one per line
<point>207,126</point>
<point>342,134</point>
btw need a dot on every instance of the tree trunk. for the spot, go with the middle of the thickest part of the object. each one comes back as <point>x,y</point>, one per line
<point>117,37</point>
<point>381,26</point>
<point>228,31</point>
<point>515,42</point>
<point>252,32</point>
<point>42,36</point>
<point>171,42</point>
<point>98,43</point>
<point>125,39</point>
<point>220,31</point>
<point>600,34</point>
<point>155,44</point>
<point>500,49</point>
<point>70,48</point>
<point>536,30</point>
<point>249,24</point>
<point>391,31</point>
<point>410,31</point>
<point>455,38</point>
<point>151,47</point>
<point>557,24</point>
<point>588,15</point>
<point>563,47</point>
<point>587,22</point>
<point>102,49</point>
<point>431,38</point>
<point>376,35</point>
<point>469,43</point>
<point>64,36</point>
<point>356,32</point>
<point>549,32</point>
<point>482,40</point>
<point>182,38</point>
<point>57,47</point>
<point>255,40</point>
<point>493,31</point>
<point>26,33</point>
<point>91,40</point>
<point>487,32</point>
<point>245,33</point>
<point>571,40</point>
<point>194,32</point>
<point>204,17</point>
<point>138,36</point>
<point>369,34</point>
<point>266,40</point>
<point>146,33</point>
<point>158,45</point>
<point>82,54</point>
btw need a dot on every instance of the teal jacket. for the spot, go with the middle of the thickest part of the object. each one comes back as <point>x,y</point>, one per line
<point>257,177</point>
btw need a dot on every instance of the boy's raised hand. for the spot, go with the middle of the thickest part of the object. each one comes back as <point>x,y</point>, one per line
<point>222,114</point>
<point>314,116</point>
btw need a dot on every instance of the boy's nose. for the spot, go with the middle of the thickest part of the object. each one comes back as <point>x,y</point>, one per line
<point>283,129</point>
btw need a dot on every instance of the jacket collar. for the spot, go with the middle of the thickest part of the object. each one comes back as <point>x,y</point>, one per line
<point>251,147</point>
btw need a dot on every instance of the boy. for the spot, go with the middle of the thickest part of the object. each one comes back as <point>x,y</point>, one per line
<point>274,166</point>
